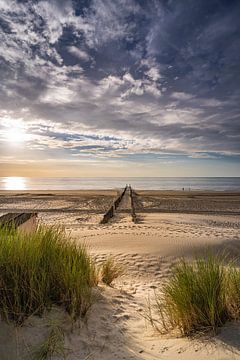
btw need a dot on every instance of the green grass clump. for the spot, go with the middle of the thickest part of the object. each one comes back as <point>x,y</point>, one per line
<point>195,297</point>
<point>41,269</point>
<point>110,271</point>
<point>233,292</point>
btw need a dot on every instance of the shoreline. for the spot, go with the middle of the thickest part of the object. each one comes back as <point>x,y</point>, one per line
<point>115,191</point>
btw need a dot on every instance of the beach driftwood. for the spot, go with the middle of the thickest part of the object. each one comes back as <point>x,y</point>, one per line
<point>26,222</point>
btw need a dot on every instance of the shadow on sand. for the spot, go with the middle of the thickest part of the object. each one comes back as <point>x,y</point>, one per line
<point>101,335</point>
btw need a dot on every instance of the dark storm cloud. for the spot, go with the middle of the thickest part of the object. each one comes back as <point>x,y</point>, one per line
<point>123,77</point>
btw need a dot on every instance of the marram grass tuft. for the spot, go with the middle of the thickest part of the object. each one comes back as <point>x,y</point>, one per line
<point>110,271</point>
<point>198,297</point>
<point>41,269</point>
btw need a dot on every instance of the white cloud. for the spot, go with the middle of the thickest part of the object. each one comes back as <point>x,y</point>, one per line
<point>57,95</point>
<point>56,16</point>
<point>80,54</point>
<point>153,73</point>
<point>182,96</point>
<point>107,21</point>
<point>125,86</point>
<point>199,155</point>
<point>210,102</point>
<point>60,99</point>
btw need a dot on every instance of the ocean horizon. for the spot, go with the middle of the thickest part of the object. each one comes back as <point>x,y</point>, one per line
<point>140,183</point>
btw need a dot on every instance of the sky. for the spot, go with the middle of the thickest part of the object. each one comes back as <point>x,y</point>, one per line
<point>119,88</point>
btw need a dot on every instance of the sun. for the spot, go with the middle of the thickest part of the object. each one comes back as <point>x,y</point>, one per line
<point>15,135</point>
<point>15,132</point>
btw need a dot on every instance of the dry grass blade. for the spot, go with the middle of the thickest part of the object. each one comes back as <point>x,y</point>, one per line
<point>52,346</point>
<point>233,292</point>
<point>110,271</point>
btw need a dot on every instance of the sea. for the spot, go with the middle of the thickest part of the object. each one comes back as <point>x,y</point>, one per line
<point>140,183</point>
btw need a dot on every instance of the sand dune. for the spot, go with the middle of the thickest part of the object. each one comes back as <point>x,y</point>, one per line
<point>115,326</point>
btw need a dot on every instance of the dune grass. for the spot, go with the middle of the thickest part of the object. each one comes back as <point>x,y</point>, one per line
<point>233,292</point>
<point>110,271</point>
<point>41,269</point>
<point>52,346</point>
<point>199,296</point>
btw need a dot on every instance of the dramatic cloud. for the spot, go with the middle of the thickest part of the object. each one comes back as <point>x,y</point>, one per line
<point>127,80</point>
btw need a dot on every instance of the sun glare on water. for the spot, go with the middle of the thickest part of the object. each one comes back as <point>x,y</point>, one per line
<point>14,183</point>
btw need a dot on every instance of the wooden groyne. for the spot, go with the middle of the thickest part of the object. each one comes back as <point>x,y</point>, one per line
<point>110,213</point>
<point>133,211</point>
<point>119,199</point>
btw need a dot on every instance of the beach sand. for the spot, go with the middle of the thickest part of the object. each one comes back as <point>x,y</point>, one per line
<point>170,225</point>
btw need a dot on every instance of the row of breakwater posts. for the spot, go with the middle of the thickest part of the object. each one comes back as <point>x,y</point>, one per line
<point>133,211</point>
<point>119,199</point>
<point>110,212</point>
